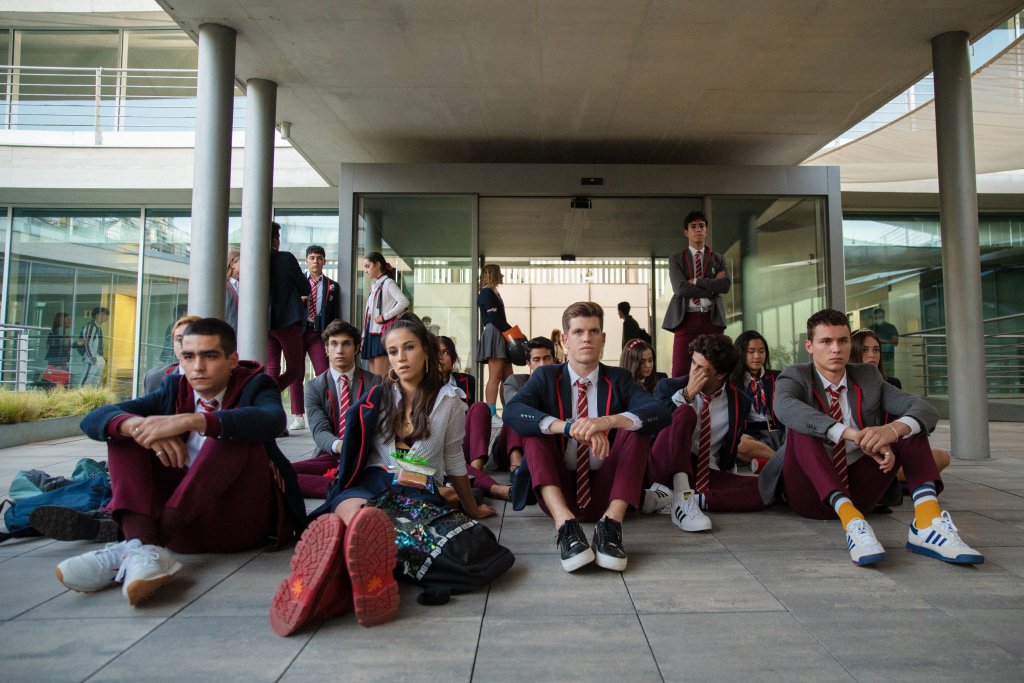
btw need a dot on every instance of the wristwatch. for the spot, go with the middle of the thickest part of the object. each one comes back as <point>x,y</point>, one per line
<point>568,426</point>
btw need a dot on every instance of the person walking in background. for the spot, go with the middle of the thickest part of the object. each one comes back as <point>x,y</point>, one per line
<point>289,291</point>
<point>90,347</point>
<point>699,278</point>
<point>630,327</point>
<point>58,342</point>
<point>384,304</point>
<point>231,290</point>
<point>888,336</point>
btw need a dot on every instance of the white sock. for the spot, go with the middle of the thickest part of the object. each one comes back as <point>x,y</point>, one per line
<point>680,482</point>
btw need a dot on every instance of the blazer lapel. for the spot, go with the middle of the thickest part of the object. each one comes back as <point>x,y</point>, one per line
<point>604,391</point>
<point>565,391</point>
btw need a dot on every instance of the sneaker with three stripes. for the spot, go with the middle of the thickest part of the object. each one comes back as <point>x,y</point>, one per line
<point>864,547</point>
<point>942,541</point>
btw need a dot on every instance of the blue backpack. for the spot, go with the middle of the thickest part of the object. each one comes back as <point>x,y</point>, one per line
<point>91,492</point>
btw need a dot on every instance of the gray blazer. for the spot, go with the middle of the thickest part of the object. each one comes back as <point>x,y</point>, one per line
<point>680,265</point>
<point>800,404</point>
<point>322,404</point>
<point>511,386</point>
<point>231,305</point>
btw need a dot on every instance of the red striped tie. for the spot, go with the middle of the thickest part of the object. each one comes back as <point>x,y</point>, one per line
<point>582,450</point>
<point>704,444</point>
<point>342,404</point>
<point>839,450</point>
<point>209,406</point>
<point>698,270</point>
<point>312,298</point>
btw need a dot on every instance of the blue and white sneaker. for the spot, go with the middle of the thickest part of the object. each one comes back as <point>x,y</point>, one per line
<point>864,547</point>
<point>941,541</point>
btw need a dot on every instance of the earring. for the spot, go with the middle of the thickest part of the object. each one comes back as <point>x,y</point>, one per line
<point>392,375</point>
<point>426,366</point>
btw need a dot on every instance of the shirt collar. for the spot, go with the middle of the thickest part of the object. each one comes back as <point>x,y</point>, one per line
<point>827,384</point>
<point>573,376</point>
<point>335,375</point>
<point>219,398</point>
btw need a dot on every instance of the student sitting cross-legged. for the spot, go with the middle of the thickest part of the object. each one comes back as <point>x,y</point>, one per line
<point>328,396</point>
<point>346,557</point>
<point>841,455</point>
<point>194,468</point>
<point>698,450</point>
<point>585,429</point>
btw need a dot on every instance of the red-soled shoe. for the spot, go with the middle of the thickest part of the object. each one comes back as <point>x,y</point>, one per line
<point>371,555</point>
<point>318,586</point>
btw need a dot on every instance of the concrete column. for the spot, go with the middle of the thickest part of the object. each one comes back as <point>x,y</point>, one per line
<point>961,253</point>
<point>212,171</point>
<point>257,196</point>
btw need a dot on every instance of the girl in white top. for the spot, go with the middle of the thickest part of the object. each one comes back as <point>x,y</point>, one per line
<point>385,303</point>
<point>419,413</point>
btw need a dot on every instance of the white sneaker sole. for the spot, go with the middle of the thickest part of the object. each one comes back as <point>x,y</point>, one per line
<point>80,589</point>
<point>616,564</point>
<point>139,590</point>
<point>691,524</point>
<point>577,561</point>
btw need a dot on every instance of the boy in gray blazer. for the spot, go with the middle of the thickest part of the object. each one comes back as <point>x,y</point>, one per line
<point>850,431</point>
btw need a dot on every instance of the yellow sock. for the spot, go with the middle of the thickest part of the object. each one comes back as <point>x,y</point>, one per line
<point>925,511</point>
<point>847,513</point>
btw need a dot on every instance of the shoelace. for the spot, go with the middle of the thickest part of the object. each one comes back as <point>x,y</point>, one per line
<point>111,556</point>
<point>945,524</point>
<point>858,527</point>
<point>144,553</point>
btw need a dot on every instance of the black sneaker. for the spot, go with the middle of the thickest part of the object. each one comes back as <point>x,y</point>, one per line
<point>608,544</point>
<point>522,488</point>
<point>65,524</point>
<point>572,544</point>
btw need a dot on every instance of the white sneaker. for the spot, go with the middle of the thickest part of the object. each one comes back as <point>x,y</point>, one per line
<point>144,569</point>
<point>94,570</point>
<point>941,541</point>
<point>655,499</point>
<point>298,422</point>
<point>864,547</point>
<point>686,514</point>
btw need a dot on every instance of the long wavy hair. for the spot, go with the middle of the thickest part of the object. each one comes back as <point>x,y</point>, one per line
<point>452,353</point>
<point>426,392</point>
<point>857,348</point>
<point>631,359</point>
<point>490,276</point>
<point>742,344</point>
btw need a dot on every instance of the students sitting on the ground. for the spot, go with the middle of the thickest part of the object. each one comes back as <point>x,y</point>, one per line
<point>328,397</point>
<point>478,421</point>
<point>696,455</point>
<point>581,424</point>
<point>638,360</point>
<point>763,433</point>
<point>866,347</point>
<point>842,453</point>
<point>194,468</point>
<point>346,558</point>
<point>151,382</point>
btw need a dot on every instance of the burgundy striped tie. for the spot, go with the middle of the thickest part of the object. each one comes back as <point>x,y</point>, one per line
<point>582,450</point>
<point>839,450</point>
<point>342,404</point>
<point>312,298</point>
<point>209,406</point>
<point>698,270</point>
<point>703,478</point>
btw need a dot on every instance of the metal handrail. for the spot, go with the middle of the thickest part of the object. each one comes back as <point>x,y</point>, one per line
<point>101,99</point>
<point>20,351</point>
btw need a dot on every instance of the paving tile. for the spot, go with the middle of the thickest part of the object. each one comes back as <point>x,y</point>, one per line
<point>27,582</point>
<point>1003,627</point>
<point>707,582</point>
<point>1011,559</point>
<point>205,649</point>
<point>950,586</point>
<point>537,586</point>
<point>413,647</point>
<point>730,647</point>
<point>561,648</point>
<point>245,592</point>
<point>65,650</point>
<point>917,645</point>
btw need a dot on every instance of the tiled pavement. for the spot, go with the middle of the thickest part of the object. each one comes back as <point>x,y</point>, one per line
<point>763,597</point>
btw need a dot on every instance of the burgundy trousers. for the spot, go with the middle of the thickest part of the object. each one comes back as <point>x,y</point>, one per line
<point>809,477</point>
<point>672,453</point>
<point>475,442</point>
<point>620,477</point>
<point>312,346</point>
<point>289,341</point>
<point>312,483</point>
<point>694,325</point>
<point>224,502</point>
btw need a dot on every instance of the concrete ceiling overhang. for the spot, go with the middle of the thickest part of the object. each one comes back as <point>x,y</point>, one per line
<point>905,150</point>
<point>586,81</point>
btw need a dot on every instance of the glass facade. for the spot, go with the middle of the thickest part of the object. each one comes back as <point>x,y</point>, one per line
<point>894,263</point>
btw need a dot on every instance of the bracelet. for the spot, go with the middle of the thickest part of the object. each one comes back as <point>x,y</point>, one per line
<point>894,431</point>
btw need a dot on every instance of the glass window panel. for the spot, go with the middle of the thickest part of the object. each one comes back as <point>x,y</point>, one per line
<point>68,262</point>
<point>164,285</point>
<point>156,98</point>
<point>60,90</point>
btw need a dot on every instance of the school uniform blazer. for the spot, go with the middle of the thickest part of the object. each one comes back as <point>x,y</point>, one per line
<point>680,272</point>
<point>287,284</point>
<point>321,394</point>
<point>512,385</point>
<point>468,384</point>
<point>770,379</point>
<point>802,404</point>
<point>549,393</point>
<point>331,308</point>
<point>257,417</point>
<point>492,309</point>
<point>230,305</point>
<point>739,408</point>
